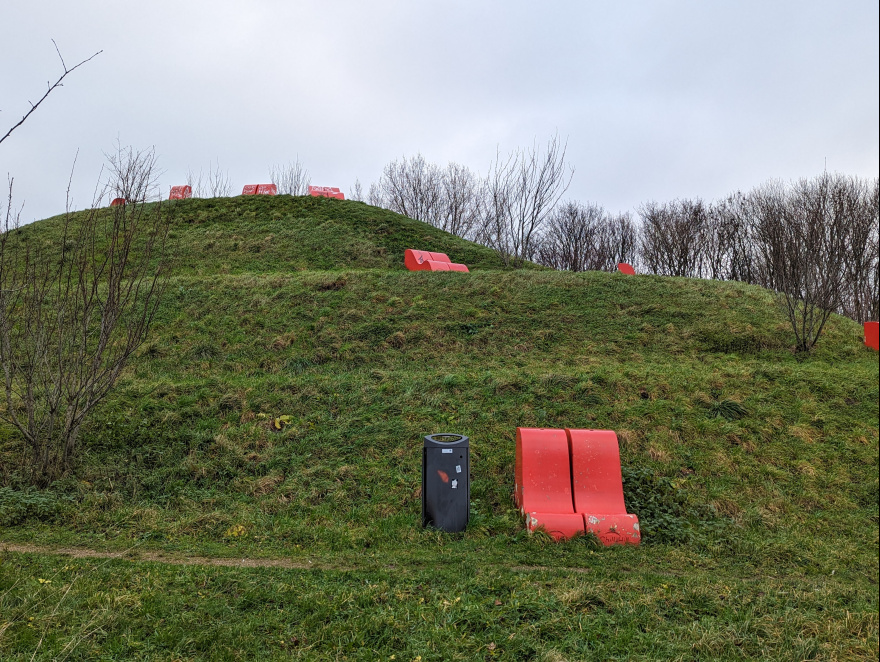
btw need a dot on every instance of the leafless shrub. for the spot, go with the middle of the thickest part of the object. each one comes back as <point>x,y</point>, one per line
<point>521,192</point>
<point>861,300</point>
<point>356,192</point>
<point>375,198</point>
<point>801,234</point>
<point>672,238</point>
<point>214,184</point>
<point>132,174</point>
<point>292,179</point>
<point>412,187</point>
<point>72,312</point>
<point>584,237</point>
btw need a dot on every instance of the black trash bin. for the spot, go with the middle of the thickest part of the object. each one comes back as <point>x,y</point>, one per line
<point>446,484</point>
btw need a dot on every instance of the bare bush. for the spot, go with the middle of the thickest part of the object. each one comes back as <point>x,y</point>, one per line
<point>292,179</point>
<point>356,192</point>
<point>801,235</point>
<point>412,187</point>
<point>673,235</point>
<point>132,174</point>
<point>521,192</point>
<point>861,300</point>
<point>584,237</point>
<point>73,311</point>
<point>213,184</point>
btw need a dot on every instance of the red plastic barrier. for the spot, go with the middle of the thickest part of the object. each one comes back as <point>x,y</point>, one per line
<point>415,260</point>
<point>597,485</point>
<point>625,268</point>
<point>260,189</point>
<point>872,339</point>
<point>180,192</point>
<point>543,482</point>
<point>117,202</point>
<point>569,481</point>
<point>326,192</point>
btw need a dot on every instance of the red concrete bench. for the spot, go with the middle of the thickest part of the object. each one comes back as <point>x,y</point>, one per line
<point>180,192</point>
<point>259,189</point>
<point>625,268</point>
<point>569,481</point>
<point>117,202</point>
<point>427,261</point>
<point>872,335</point>
<point>326,192</point>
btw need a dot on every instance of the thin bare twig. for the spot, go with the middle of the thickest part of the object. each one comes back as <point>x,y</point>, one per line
<point>58,83</point>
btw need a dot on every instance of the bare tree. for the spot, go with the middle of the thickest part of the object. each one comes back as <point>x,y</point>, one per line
<point>460,201</point>
<point>132,175</point>
<point>861,264</point>
<point>375,197</point>
<point>673,237</point>
<point>801,234</point>
<point>412,187</point>
<point>584,237</point>
<point>73,311</point>
<point>58,83</point>
<point>356,192</point>
<point>292,179</point>
<point>521,193</point>
<point>216,184</point>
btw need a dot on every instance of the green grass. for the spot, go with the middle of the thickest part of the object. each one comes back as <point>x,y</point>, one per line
<point>754,472</point>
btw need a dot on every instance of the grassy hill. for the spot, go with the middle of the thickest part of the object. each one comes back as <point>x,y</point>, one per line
<point>754,472</point>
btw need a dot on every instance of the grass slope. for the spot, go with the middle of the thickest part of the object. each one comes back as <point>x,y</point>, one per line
<point>755,473</point>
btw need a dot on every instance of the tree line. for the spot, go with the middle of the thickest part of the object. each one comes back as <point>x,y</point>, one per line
<point>814,241</point>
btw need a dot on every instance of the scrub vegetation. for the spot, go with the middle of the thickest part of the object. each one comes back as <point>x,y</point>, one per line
<point>275,414</point>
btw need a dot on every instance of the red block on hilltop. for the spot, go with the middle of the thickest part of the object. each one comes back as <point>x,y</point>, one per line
<point>117,202</point>
<point>180,192</point>
<point>625,268</point>
<point>326,192</point>
<point>259,189</point>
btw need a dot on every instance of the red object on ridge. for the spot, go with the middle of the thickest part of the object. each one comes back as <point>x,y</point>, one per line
<point>326,192</point>
<point>872,335</point>
<point>625,268</point>
<point>117,202</point>
<point>180,192</point>
<point>259,189</point>
<point>415,260</point>
<point>569,481</point>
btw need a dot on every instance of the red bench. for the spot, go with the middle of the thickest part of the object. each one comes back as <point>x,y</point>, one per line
<point>117,202</point>
<point>259,189</point>
<point>427,261</point>
<point>872,335</point>
<point>569,481</point>
<point>625,268</point>
<point>326,192</point>
<point>180,192</point>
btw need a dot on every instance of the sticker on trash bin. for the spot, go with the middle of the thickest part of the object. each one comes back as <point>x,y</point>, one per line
<point>454,484</point>
<point>445,450</point>
<point>458,468</point>
<point>443,476</point>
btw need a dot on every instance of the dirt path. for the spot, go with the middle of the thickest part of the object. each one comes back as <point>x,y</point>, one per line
<point>137,555</point>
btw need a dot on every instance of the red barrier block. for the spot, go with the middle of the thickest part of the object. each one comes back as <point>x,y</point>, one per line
<point>543,482</point>
<point>597,486</point>
<point>117,202</point>
<point>569,482</point>
<point>872,339</point>
<point>326,192</point>
<point>625,268</point>
<point>250,189</point>
<point>415,260</point>
<point>267,189</point>
<point>180,192</point>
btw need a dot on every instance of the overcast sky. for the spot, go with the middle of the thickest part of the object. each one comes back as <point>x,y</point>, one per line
<point>657,100</point>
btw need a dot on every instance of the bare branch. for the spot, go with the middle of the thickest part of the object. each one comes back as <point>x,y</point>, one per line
<point>58,83</point>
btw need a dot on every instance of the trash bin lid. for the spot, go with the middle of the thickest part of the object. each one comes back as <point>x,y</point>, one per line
<point>446,440</point>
